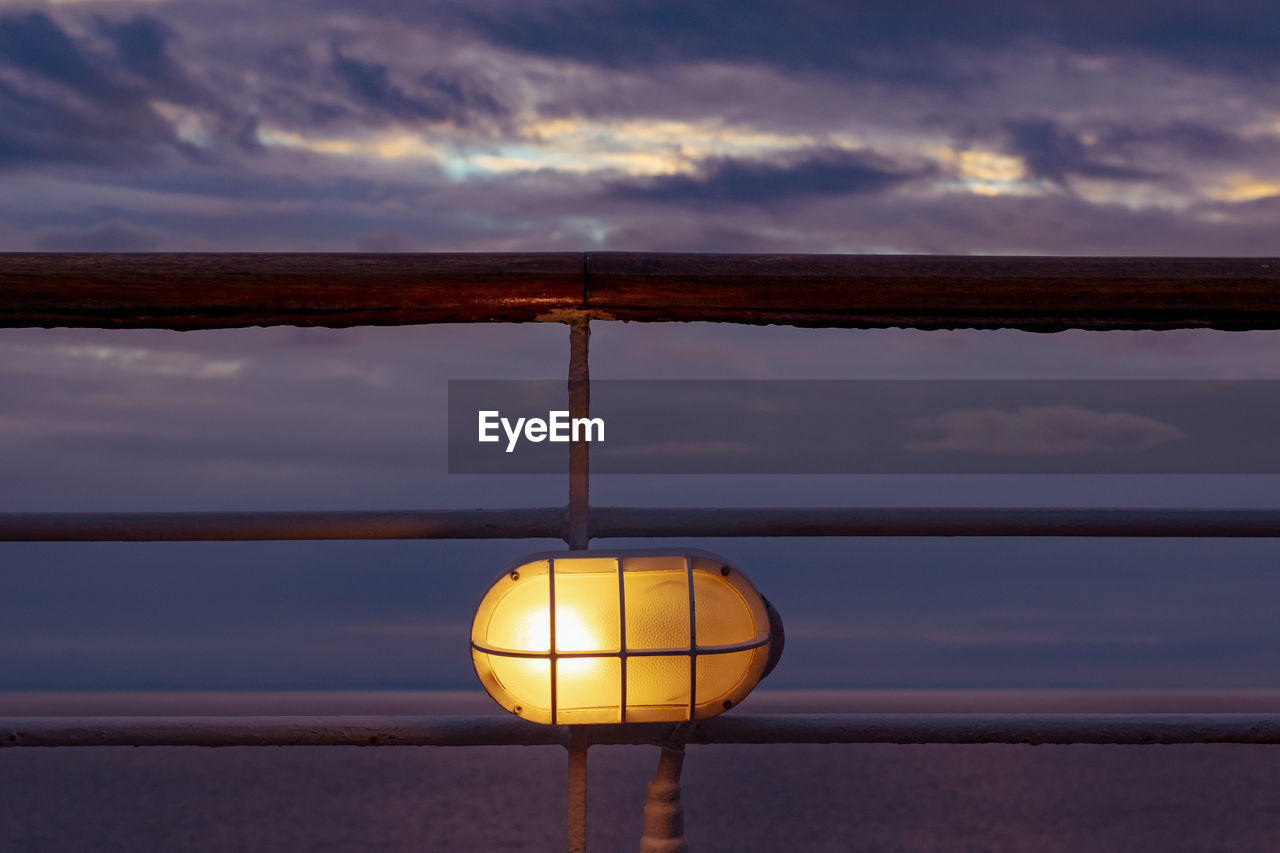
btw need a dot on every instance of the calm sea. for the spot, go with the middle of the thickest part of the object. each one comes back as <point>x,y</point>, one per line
<point>737,798</point>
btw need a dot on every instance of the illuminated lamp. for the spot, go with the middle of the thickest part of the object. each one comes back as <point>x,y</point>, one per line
<point>585,637</point>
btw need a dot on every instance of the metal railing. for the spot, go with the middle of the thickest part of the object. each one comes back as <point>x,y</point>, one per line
<point>634,523</point>
<point>1043,294</point>
<point>1131,729</point>
<point>220,291</point>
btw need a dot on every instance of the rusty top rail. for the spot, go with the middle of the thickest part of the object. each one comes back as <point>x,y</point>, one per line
<point>210,291</point>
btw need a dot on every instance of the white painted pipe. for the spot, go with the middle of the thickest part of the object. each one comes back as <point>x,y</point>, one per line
<point>729,728</point>
<point>663,811</point>
<point>635,522</point>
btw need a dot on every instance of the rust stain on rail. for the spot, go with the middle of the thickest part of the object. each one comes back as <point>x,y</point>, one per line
<point>211,291</point>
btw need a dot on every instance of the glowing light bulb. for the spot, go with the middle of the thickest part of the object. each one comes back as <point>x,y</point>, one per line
<point>636,636</point>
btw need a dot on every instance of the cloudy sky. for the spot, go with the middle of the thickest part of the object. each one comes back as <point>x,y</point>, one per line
<point>1009,127</point>
<point>319,125</point>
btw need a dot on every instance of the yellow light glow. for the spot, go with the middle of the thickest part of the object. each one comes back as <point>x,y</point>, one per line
<point>644,148</point>
<point>691,139</point>
<point>576,667</point>
<point>407,145</point>
<point>987,173</point>
<point>390,146</point>
<point>1243,188</point>
<point>569,145</point>
<point>990,166</point>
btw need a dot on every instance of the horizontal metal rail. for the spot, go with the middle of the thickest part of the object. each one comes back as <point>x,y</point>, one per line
<point>219,291</point>
<point>1131,729</point>
<point>211,291</point>
<point>276,731</point>
<point>548,523</point>
<point>634,522</point>
<point>933,521</point>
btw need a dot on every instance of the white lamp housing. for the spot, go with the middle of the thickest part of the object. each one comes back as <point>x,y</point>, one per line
<point>622,636</point>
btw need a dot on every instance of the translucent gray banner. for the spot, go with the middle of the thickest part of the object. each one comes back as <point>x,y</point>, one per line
<point>870,427</point>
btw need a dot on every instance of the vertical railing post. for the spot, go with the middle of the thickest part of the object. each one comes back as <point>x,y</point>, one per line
<point>579,741</point>
<point>663,811</point>
<point>579,461</point>
<point>577,538</point>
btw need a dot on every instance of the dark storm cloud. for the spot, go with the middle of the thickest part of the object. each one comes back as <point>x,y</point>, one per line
<point>437,96</point>
<point>1237,35</point>
<point>292,90</point>
<point>735,181</point>
<point>75,104</point>
<point>867,38</point>
<point>796,36</point>
<point>40,131</point>
<point>1054,153</point>
<point>96,94</point>
<point>33,43</point>
<point>141,48</point>
<point>1180,148</point>
<point>1193,139</point>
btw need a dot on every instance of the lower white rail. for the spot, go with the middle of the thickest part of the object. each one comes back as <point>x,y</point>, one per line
<point>754,729</point>
<point>635,522</point>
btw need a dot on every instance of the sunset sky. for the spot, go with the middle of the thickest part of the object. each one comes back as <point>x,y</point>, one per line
<point>1054,128</point>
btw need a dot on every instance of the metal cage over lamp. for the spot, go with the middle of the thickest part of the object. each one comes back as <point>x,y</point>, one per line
<point>633,636</point>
